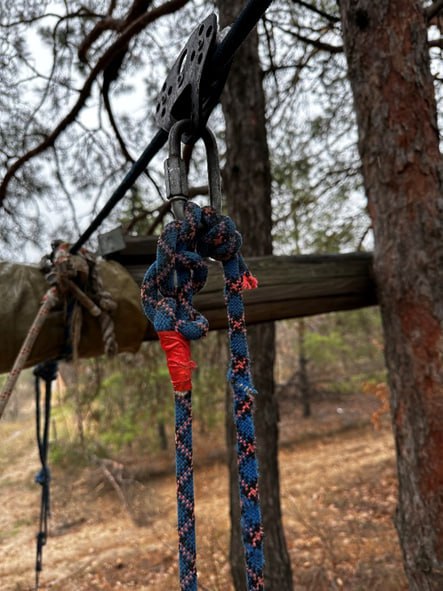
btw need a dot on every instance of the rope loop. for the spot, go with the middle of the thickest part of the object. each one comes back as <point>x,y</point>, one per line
<point>180,272</point>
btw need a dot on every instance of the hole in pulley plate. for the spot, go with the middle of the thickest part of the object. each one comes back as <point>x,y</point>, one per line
<point>183,105</point>
<point>182,61</point>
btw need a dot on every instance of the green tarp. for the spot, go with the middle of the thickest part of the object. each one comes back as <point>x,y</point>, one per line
<point>21,290</point>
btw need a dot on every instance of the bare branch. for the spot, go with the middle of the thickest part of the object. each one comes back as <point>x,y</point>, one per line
<point>64,188</point>
<point>108,467</point>
<point>330,17</point>
<point>131,31</point>
<point>162,210</point>
<point>138,8</point>
<point>106,24</point>
<point>433,9</point>
<point>50,77</point>
<point>115,128</point>
<point>317,43</point>
<point>81,13</point>
<point>121,141</point>
<point>363,236</point>
<point>112,6</point>
<point>268,35</point>
<point>198,190</point>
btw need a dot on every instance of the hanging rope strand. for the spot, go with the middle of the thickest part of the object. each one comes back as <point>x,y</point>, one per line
<point>46,372</point>
<point>185,491</point>
<point>244,393</point>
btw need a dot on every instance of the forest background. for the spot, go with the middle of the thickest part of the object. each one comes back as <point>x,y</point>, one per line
<point>66,63</point>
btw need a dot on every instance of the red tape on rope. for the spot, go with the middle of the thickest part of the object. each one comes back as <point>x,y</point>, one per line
<point>178,358</point>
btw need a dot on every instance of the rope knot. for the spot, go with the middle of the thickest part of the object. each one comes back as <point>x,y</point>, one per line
<point>47,371</point>
<point>178,273</point>
<point>76,278</point>
<point>218,237</point>
<point>43,476</point>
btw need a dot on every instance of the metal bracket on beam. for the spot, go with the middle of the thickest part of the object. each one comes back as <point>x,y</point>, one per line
<point>112,241</point>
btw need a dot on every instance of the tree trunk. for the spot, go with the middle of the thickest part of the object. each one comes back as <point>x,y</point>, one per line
<point>303,378</point>
<point>162,436</point>
<point>247,185</point>
<point>387,53</point>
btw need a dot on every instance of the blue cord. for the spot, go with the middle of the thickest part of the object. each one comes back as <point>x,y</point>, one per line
<point>47,372</point>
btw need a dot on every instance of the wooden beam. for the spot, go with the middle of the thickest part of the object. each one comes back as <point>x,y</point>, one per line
<point>289,287</point>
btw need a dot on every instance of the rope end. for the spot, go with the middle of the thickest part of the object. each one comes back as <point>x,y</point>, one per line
<point>249,281</point>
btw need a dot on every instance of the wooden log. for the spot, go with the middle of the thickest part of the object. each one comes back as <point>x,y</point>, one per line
<point>289,287</point>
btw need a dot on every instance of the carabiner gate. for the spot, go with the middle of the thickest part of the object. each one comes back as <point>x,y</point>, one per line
<point>175,169</point>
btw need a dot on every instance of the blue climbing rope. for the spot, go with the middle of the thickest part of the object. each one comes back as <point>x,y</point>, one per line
<point>169,285</point>
<point>185,492</point>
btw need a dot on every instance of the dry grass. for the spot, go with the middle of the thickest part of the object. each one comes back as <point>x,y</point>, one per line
<point>339,497</point>
<point>338,494</point>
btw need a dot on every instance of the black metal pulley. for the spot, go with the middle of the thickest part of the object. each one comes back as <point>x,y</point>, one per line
<point>191,90</point>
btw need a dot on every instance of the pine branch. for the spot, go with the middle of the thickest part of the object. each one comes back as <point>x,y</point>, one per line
<point>106,24</point>
<point>81,13</point>
<point>59,177</point>
<point>330,17</point>
<point>112,7</point>
<point>138,8</point>
<point>129,33</point>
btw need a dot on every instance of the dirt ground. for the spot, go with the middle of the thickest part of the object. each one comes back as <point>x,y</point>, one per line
<point>338,494</point>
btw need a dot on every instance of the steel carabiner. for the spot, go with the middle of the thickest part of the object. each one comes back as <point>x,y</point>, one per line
<point>175,170</point>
